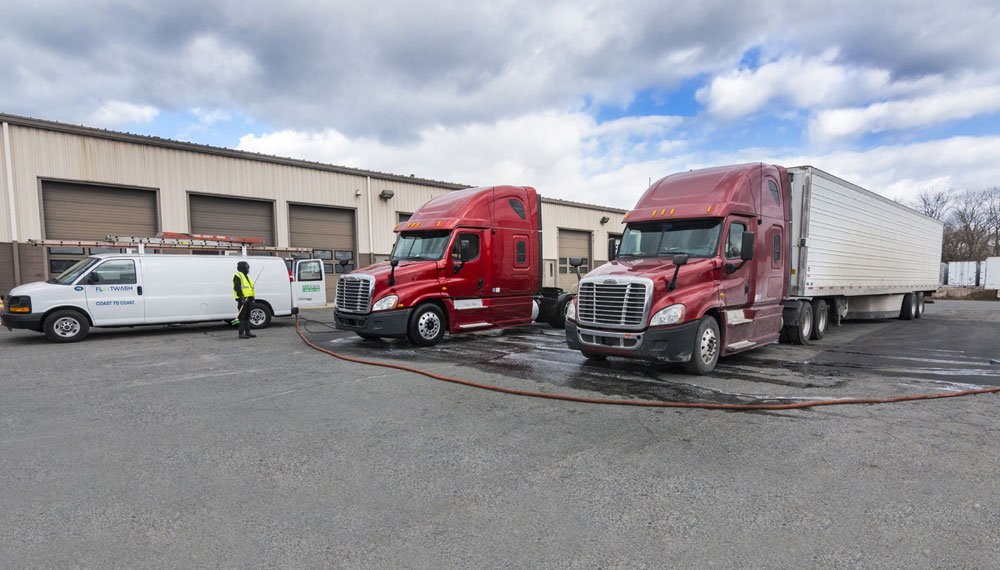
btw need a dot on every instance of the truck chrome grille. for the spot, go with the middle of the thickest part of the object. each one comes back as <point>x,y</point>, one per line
<point>354,293</point>
<point>614,303</point>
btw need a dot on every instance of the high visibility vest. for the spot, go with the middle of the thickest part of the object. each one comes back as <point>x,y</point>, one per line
<point>246,285</point>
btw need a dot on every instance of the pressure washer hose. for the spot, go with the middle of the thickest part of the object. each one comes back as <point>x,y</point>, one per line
<point>647,403</point>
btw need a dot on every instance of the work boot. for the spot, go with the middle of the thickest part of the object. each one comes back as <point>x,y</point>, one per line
<point>244,336</point>
<point>251,335</point>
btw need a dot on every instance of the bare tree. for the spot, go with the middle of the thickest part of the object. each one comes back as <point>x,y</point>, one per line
<point>934,203</point>
<point>991,205</point>
<point>969,235</point>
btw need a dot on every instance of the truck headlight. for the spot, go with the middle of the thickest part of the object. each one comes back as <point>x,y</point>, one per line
<point>571,310</point>
<point>385,303</point>
<point>668,316</point>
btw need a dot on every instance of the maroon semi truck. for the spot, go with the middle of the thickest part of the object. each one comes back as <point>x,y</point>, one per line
<point>717,261</point>
<point>465,261</point>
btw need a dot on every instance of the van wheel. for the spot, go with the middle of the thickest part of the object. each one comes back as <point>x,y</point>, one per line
<point>707,343</point>
<point>426,326</point>
<point>800,329</point>
<point>66,326</point>
<point>557,319</point>
<point>920,305</point>
<point>260,316</point>
<point>821,318</point>
<point>908,311</point>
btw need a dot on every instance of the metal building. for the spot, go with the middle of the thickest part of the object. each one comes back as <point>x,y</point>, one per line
<point>69,182</point>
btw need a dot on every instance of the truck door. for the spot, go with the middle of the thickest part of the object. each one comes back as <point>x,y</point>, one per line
<point>114,293</point>
<point>466,281</point>
<point>738,286</point>
<point>309,284</point>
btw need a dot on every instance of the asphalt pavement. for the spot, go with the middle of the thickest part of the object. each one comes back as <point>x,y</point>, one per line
<point>184,447</point>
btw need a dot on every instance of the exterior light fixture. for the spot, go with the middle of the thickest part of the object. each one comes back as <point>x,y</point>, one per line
<point>605,219</point>
<point>386,194</point>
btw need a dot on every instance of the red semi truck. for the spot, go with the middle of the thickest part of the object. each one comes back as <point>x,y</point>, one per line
<point>465,261</point>
<point>717,261</point>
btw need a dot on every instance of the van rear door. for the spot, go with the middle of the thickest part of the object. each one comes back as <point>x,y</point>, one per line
<point>309,283</point>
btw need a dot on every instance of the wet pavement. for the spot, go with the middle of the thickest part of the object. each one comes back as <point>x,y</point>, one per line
<point>944,350</point>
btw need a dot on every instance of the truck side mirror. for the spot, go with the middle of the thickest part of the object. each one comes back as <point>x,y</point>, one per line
<point>680,259</point>
<point>746,249</point>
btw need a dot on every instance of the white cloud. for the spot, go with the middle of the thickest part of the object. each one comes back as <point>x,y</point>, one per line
<point>922,111</point>
<point>113,114</point>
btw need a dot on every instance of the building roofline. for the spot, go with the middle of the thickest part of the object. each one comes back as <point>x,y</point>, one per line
<point>583,205</point>
<point>217,151</point>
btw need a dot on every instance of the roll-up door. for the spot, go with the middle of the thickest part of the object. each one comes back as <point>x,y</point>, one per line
<point>232,217</point>
<point>327,231</point>
<point>572,244</point>
<point>73,211</point>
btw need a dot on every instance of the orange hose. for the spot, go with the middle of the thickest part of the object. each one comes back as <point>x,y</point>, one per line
<point>647,403</point>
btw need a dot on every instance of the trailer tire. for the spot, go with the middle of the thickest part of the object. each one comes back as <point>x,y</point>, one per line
<point>707,346</point>
<point>799,331</point>
<point>66,325</point>
<point>557,319</point>
<point>426,326</point>
<point>908,311</point>
<point>920,305</point>
<point>821,318</point>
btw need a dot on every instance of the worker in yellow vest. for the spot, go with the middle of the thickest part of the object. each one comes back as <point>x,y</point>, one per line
<point>244,294</point>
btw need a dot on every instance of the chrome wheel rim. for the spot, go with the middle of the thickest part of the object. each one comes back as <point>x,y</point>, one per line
<point>807,324</point>
<point>709,345</point>
<point>257,317</point>
<point>66,327</point>
<point>428,325</point>
<point>821,321</point>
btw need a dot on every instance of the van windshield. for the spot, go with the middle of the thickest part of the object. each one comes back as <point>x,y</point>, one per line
<point>70,275</point>
<point>423,246</point>
<point>697,238</point>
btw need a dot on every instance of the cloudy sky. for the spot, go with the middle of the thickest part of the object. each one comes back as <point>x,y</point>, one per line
<point>584,100</point>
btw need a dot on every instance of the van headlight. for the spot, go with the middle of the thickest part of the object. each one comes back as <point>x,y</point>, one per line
<point>668,316</point>
<point>571,310</point>
<point>385,303</point>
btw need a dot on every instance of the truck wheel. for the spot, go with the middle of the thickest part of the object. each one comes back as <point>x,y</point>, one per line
<point>920,305</point>
<point>260,316</point>
<point>557,319</point>
<point>909,310</point>
<point>66,326</point>
<point>799,330</point>
<point>821,318</point>
<point>426,326</point>
<point>705,355</point>
<point>596,356</point>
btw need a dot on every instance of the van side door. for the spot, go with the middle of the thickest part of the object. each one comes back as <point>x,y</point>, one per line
<point>114,293</point>
<point>309,283</point>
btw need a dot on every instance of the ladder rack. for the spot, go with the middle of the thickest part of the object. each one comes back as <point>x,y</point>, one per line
<point>173,241</point>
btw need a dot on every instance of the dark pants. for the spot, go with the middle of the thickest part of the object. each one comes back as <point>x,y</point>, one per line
<point>244,316</point>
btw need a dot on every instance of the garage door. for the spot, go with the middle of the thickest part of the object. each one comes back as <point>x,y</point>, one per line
<point>328,231</point>
<point>232,217</point>
<point>572,244</point>
<point>86,212</point>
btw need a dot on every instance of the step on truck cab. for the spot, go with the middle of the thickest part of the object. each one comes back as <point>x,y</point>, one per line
<point>717,261</point>
<point>465,261</point>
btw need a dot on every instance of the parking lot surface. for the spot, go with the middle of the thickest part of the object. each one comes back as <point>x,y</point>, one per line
<point>183,447</point>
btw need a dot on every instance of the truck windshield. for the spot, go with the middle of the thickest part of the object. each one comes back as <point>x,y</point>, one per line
<point>697,238</point>
<point>420,245</point>
<point>70,275</point>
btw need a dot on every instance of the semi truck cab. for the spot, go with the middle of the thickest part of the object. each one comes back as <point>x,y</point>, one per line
<point>699,274</point>
<point>465,261</point>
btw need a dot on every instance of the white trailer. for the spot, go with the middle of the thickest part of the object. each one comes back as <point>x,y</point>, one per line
<point>962,273</point>
<point>869,256</point>
<point>991,273</point>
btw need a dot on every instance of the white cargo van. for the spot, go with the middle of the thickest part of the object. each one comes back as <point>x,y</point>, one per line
<point>114,289</point>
